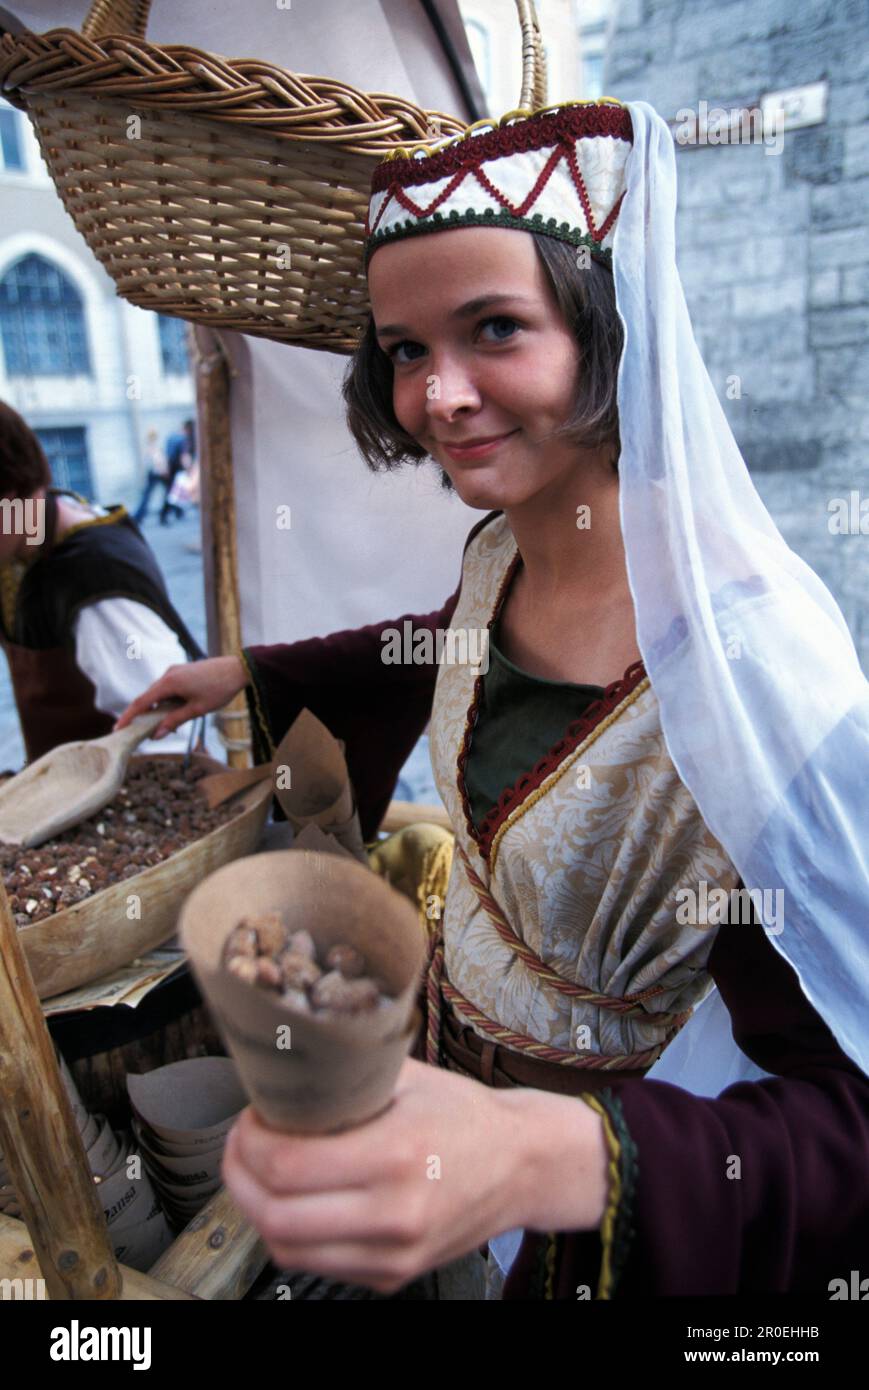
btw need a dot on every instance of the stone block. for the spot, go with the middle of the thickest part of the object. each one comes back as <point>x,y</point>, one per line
<point>845,204</point>
<point>754,299</point>
<point>838,327</point>
<point>855,284</point>
<point>825,288</point>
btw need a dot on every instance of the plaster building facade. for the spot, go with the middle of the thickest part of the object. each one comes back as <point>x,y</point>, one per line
<point>89,372</point>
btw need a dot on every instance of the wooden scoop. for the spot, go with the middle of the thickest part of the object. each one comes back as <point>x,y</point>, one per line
<point>70,783</point>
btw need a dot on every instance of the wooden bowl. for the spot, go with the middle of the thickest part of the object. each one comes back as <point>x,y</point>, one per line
<point>95,937</point>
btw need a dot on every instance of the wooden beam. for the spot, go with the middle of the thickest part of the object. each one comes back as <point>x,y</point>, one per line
<point>41,1143</point>
<point>217,1256</point>
<point>18,1261</point>
<point>217,504</point>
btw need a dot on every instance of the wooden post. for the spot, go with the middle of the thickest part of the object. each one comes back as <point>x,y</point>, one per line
<point>41,1143</point>
<point>217,1256</point>
<point>18,1261</point>
<point>217,503</point>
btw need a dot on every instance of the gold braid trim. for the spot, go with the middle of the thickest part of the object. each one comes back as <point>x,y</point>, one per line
<point>551,1247</point>
<point>564,767</point>
<point>614,1196</point>
<point>258,710</point>
<point>434,878</point>
<point>111,519</point>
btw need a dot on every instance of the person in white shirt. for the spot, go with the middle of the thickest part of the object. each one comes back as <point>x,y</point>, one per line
<point>85,618</point>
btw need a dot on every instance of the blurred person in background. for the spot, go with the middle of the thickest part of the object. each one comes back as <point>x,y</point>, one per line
<point>180,454</point>
<point>85,617</point>
<point>157,474</point>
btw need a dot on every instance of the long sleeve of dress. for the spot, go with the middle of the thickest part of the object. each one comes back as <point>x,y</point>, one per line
<point>379,709</point>
<point>763,1188</point>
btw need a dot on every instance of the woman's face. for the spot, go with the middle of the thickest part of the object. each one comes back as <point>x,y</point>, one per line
<point>485,368</point>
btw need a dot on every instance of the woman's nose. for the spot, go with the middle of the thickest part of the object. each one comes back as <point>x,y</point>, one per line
<point>449,389</point>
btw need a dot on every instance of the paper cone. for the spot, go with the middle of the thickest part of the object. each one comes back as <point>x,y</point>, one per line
<point>78,1107</point>
<point>310,1073</point>
<point>193,1102</point>
<point>158,1149</point>
<point>141,1245</point>
<point>321,793</point>
<point>104,1153</point>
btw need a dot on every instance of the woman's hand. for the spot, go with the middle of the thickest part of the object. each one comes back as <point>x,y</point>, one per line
<point>450,1163</point>
<point>201,686</point>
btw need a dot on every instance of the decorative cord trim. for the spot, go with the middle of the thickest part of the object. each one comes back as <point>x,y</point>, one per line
<point>439,989</point>
<point>628,1004</point>
<point>517,131</point>
<point>594,720</point>
<point>616,1228</point>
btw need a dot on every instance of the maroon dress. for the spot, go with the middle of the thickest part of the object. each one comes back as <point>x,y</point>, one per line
<point>798,1216</point>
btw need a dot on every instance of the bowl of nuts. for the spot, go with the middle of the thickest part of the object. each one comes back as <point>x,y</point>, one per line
<point>107,890</point>
<point>310,964</point>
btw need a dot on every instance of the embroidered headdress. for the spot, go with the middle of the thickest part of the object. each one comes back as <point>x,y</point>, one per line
<point>763,703</point>
<point>558,171</point>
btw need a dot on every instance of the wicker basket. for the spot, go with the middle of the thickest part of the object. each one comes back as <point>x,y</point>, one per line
<point>228,192</point>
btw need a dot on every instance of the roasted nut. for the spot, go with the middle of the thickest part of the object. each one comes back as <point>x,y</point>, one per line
<point>302,944</point>
<point>244,968</point>
<point>298,971</point>
<point>105,849</point>
<point>241,941</point>
<point>332,991</point>
<point>296,999</point>
<point>271,934</point>
<point>268,973</point>
<point>346,959</point>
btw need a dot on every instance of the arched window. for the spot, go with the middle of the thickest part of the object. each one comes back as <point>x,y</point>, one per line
<point>173,345</point>
<point>42,321</point>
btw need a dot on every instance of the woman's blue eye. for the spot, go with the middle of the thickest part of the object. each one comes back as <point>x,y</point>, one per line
<point>501,321</point>
<point>413,351</point>
<point>397,347</point>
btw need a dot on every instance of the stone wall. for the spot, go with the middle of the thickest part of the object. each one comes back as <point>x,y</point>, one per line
<point>773,251</point>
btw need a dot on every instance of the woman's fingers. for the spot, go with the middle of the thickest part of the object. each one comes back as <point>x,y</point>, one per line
<point>163,689</point>
<point>182,715</point>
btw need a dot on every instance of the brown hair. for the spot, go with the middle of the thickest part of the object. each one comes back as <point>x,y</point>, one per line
<point>23,466</point>
<point>587,300</point>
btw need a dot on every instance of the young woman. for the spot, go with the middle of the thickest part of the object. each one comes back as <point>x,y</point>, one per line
<point>602,835</point>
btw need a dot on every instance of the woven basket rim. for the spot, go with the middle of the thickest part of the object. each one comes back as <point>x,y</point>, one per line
<point>192,81</point>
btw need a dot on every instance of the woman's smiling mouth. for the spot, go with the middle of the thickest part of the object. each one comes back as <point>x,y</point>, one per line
<point>475,448</point>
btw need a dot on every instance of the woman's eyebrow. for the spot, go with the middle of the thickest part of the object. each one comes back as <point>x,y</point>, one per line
<point>473,306</point>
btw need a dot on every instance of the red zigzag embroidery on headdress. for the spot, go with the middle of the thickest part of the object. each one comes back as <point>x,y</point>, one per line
<point>517,210</point>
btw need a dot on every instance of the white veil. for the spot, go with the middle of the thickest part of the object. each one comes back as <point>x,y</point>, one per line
<point>763,704</point>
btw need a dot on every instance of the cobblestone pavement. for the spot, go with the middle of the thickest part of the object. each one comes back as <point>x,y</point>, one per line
<point>176,549</point>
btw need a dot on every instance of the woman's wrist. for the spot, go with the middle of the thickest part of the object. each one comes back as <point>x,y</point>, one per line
<point>562,1166</point>
<point>242,671</point>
